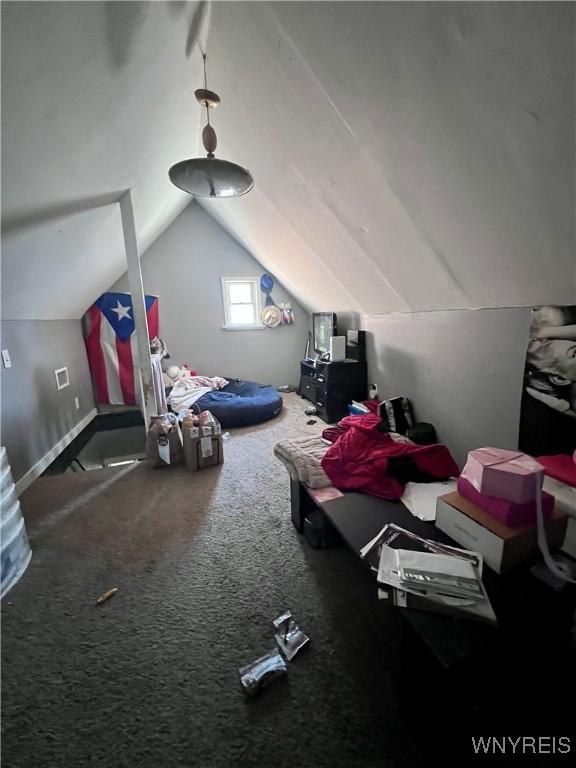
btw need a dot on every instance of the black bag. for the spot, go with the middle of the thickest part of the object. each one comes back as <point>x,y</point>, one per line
<point>318,532</point>
<point>422,434</point>
<point>396,414</point>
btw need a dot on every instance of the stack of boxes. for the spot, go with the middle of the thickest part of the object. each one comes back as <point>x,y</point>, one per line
<point>195,439</point>
<point>202,441</point>
<point>494,510</point>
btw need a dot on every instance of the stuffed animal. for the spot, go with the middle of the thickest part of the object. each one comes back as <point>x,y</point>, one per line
<point>179,372</point>
<point>173,372</point>
<point>158,347</point>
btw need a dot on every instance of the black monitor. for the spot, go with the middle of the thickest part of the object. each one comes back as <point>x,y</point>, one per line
<point>323,328</point>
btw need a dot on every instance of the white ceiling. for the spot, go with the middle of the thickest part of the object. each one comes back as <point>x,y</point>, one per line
<point>96,98</point>
<point>407,156</point>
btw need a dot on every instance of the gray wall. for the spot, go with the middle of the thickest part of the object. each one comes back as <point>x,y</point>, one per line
<point>35,415</point>
<point>462,369</point>
<point>184,268</point>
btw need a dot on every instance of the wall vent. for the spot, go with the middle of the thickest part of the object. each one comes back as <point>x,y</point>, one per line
<point>62,378</point>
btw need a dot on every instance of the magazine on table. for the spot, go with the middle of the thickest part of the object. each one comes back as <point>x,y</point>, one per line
<point>382,552</point>
<point>440,574</point>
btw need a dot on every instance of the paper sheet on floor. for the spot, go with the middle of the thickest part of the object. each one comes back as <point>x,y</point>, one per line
<point>420,498</point>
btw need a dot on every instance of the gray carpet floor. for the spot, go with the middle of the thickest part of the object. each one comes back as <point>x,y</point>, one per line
<point>203,563</point>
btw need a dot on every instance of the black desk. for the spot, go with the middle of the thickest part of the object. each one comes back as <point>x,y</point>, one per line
<point>531,615</point>
<point>358,518</point>
<point>478,676</point>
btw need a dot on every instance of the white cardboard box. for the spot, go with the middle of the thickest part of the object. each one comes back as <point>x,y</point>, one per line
<point>503,548</point>
<point>565,497</point>
<point>564,494</point>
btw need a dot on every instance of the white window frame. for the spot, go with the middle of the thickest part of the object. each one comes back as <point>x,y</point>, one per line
<point>254,283</point>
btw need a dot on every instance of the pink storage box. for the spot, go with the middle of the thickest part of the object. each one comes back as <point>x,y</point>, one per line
<point>508,475</point>
<point>508,512</point>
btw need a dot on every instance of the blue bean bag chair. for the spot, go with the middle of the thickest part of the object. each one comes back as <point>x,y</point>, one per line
<point>242,403</point>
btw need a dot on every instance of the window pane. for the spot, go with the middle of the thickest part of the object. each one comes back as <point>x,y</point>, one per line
<point>242,314</point>
<point>240,293</point>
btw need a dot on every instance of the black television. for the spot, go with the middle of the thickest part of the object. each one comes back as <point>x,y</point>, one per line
<point>323,328</point>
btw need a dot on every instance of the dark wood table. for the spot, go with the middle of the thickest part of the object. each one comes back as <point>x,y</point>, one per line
<point>358,518</point>
<point>534,620</point>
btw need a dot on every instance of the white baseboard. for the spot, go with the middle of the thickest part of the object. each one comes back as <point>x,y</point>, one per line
<point>53,453</point>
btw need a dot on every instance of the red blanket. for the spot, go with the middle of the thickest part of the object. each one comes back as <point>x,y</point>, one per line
<point>358,460</point>
<point>560,467</point>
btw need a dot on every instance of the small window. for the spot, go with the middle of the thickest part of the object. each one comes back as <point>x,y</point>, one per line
<point>241,303</point>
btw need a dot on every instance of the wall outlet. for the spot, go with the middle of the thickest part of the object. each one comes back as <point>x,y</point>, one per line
<point>77,403</point>
<point>6,359</point>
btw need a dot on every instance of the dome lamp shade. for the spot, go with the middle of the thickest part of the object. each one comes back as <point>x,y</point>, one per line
<point>209,176</point>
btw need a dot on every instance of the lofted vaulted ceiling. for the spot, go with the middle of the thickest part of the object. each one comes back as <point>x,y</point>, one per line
<point>407,156</point>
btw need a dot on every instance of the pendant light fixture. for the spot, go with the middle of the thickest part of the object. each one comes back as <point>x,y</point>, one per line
<point>208,176</point>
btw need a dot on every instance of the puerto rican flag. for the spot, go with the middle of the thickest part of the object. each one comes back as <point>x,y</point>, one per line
<point>111,345</point>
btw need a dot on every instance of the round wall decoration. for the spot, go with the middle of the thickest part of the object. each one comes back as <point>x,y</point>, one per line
<point>271,316</point>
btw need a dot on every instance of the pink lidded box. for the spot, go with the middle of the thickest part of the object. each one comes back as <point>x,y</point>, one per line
<point>505,474</point>
<point>510,513</point>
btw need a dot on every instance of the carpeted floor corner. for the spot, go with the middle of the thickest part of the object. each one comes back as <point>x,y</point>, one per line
<point>203,563</point>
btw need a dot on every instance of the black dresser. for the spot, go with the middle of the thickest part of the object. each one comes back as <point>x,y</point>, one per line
<point>332,386</point>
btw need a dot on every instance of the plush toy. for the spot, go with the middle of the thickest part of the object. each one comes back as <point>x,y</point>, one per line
<point>158,347</point>
<point>179,372</point>
<point>173,372</point>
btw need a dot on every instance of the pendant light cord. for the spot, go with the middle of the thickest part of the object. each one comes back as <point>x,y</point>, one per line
<point>206,88</point>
